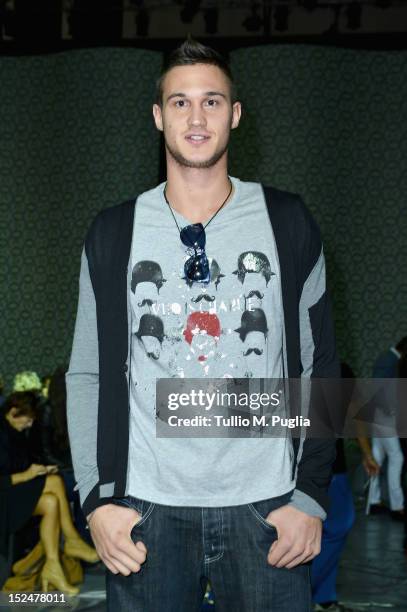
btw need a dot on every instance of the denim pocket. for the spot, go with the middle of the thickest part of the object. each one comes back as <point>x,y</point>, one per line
<point>143,507</point>
<point>260,510</point>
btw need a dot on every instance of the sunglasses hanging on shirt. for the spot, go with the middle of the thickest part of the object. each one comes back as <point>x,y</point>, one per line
<point>196,267</point>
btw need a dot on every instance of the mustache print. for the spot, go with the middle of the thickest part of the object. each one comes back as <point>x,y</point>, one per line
<point>253,350</point>
<point>153,356</point>
<point>146,301</point>
<point>203,296</point>
<point>256,293</point>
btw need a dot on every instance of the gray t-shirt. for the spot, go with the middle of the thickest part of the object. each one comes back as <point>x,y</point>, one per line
<point>232,327</point>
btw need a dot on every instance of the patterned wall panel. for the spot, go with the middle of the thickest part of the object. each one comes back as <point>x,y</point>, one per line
<point>331,124</point>
<point>76,135</point>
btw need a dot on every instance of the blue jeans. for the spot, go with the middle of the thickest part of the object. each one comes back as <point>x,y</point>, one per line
<point>186,546</point>
<point>341,516</point>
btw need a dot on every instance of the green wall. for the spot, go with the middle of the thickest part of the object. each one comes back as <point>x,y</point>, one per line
<point>77,135</point>
<point>331,124</point>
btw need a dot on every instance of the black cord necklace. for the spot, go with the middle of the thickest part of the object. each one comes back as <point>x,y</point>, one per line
<point>196,267</point>
<point>213,216</point>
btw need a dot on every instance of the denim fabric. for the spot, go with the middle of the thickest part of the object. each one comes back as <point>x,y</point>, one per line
<point>341,516</point>
<point>186,546</point>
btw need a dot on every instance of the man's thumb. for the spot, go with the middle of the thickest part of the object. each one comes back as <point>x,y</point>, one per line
<point>141,546</point>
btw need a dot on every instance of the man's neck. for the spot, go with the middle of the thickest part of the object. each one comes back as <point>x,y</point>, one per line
<point>197,193</point>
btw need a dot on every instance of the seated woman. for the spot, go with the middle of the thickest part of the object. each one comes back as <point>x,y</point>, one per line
<point>29,489</point>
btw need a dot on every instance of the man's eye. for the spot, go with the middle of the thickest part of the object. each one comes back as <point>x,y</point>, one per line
<point>180,103</point>
<point>212,102</point>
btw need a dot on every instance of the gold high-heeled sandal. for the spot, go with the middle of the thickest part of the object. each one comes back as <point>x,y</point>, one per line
<point>52,574</point>
<point>22,566</point>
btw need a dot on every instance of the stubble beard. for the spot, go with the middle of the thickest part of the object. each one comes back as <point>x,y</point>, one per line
<point>207,163</point>
<point>189,163</point>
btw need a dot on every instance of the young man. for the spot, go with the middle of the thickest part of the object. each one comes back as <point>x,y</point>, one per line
<point>166,514</point>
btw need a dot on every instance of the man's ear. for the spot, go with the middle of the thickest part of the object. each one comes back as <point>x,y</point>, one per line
<point>158,117</point>
<point>236,114</point>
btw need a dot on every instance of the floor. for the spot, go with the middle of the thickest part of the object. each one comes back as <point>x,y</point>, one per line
<point>372,574</point>
<point>373,570</point>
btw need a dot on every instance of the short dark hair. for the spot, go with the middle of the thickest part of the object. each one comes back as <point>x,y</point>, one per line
<point>25,403</point>
<point>192,52</point>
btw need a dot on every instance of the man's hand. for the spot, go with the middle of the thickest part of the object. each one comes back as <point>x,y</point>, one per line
<point>299,537</point>
<point>110,526</point>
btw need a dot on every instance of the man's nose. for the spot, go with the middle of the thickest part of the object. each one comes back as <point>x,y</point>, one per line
<point>197,115</point>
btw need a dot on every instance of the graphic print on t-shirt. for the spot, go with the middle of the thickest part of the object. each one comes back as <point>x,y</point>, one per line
<point>253,262</point>
<point>202,333</point>
<point>254,273</point>
<point>198,334</point>
<point>151,334</point>
<point>253,333</point>
<point>146,282</point>
<point>232,327</point>
<point>215,273</point>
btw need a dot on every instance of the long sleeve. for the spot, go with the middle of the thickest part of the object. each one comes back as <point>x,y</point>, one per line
<point>82,382</point>
<point>318,360</point>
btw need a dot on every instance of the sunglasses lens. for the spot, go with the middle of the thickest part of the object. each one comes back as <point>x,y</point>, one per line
<point>193,236</point>
<point>196,269</point>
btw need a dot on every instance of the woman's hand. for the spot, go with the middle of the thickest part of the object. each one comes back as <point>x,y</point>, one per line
<point>371,466</point>
<point>51,469</point>
<point>35,470</point>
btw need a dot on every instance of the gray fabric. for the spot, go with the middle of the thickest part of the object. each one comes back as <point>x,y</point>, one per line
<point>313,290</point>
<point>190,471</point>
<point>82,390</point>
<point>306,504</point>
<point>106,490</point>
<point>82,385</point>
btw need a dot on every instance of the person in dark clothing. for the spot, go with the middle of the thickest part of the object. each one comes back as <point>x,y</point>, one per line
<point>339,521</point>
<point>41,432</point>
<point>57,400</point>
<point>2,396</point>
<point>49,434</point>
<point>31,489</point>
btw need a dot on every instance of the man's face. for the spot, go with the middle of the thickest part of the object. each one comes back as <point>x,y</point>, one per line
<point>197,115</point>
